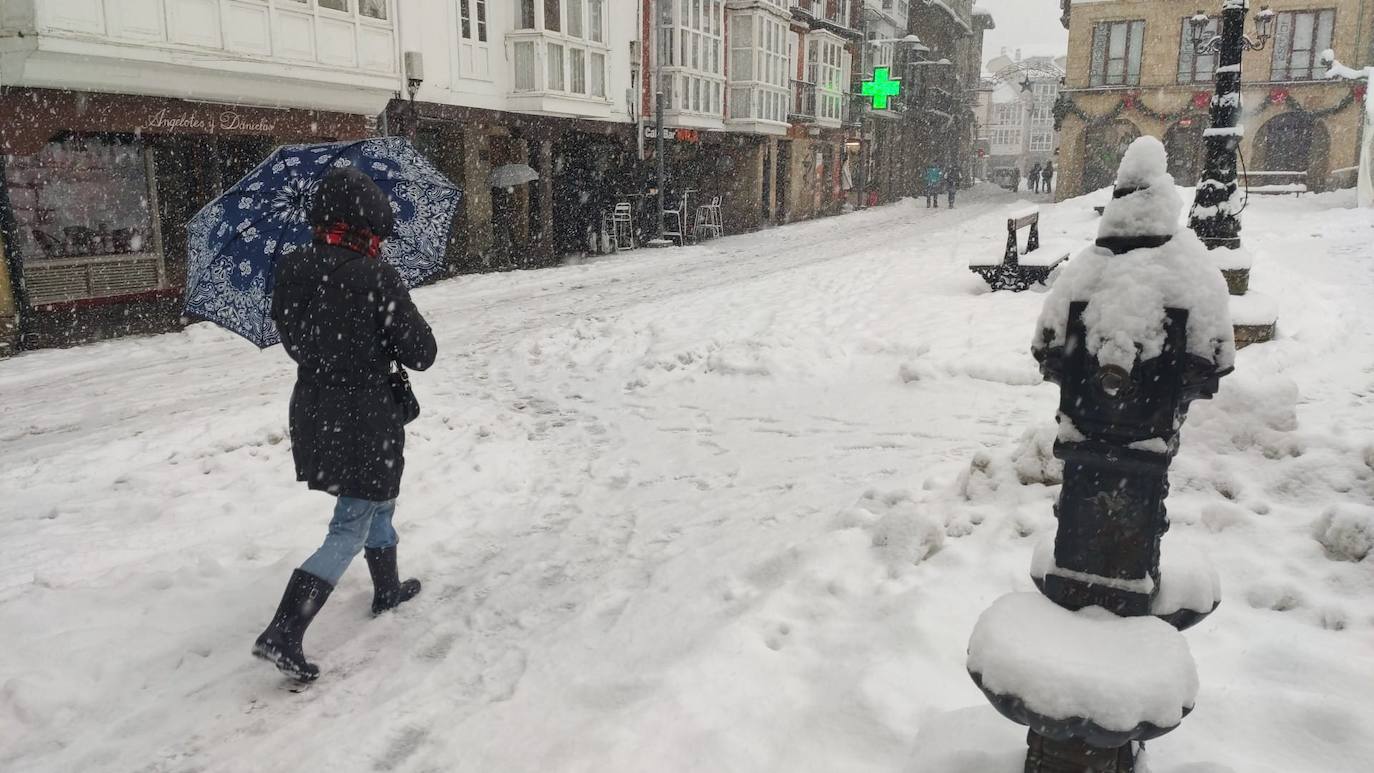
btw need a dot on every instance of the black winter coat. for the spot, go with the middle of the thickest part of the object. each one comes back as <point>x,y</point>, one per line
<point>344,317</point>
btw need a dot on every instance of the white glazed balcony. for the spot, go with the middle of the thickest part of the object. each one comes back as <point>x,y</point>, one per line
<point>296,53</point>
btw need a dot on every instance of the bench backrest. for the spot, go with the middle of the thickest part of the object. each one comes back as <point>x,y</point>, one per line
<point>1259,178</point>
<point>1016,222</point>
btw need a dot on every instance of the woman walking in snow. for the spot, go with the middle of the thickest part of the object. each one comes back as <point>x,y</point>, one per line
<point>345,316</point>
<point>933,179</point>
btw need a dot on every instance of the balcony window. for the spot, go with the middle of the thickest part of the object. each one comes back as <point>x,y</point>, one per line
<point>526,66</point>
<point>691,51</point>
<point>827,67</point>
<point>1116,53</point>
<point>759,77</point>
<point>567,55</point>
<point>1192,66</point>
<point>1299,39</point>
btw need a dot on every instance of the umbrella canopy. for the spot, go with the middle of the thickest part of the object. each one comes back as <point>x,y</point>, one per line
<point>511,175</point>
<point>233,244</point>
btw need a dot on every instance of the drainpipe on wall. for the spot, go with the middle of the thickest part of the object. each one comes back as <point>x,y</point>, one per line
<point>11,278</point>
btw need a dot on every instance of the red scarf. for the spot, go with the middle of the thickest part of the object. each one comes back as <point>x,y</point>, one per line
<point>358,240</point>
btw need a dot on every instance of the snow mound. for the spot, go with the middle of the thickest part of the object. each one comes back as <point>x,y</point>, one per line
<point>1127,294</point>
<point>1346,531</point>
<point>1254,309</point>
<point>1118,672</point>
<point>1152,207</point>
<point>902,532</point>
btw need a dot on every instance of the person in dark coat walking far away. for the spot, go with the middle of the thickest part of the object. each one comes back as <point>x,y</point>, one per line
<point>953,179</point>
<point>1033,178</point>
<point>345,316</point>
<point>1046,176</point>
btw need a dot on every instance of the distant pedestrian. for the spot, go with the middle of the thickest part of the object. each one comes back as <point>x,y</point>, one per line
<point>1046,176</point>
<point>934,178</point>
<point>953,180</point>
<point>345,316</point>
<point>1015,179</point>
<point>1033,179</point>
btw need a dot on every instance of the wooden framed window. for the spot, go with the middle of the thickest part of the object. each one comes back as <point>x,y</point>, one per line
<point>1299,39</point>
<point>1116,52</point>
<point>1192,66</point>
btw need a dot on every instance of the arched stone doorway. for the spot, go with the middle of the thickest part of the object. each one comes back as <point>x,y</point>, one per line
<point>1293,142</point>
<point>1183,141</point>
<point>1103,147</point>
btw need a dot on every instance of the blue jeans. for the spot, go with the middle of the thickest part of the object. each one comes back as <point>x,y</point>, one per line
<point>356,522</point>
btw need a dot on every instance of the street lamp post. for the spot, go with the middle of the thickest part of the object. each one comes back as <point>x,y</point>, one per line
<point>1215,206</point>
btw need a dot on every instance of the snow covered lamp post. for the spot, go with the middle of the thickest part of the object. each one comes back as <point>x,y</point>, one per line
<point>1215,215</point>
<point>1134,330</point>
<point>1215,208</point>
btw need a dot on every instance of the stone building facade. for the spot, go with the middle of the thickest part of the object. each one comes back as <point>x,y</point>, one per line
<point>1132,71</point>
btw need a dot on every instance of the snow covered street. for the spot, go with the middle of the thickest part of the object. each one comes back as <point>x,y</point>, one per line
<point>734,507</point>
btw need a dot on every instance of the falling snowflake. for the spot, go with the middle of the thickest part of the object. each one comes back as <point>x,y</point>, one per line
<point>291,202</point>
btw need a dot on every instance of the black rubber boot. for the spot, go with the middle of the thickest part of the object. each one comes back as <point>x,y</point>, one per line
<point>388,590</point>
<point>280,644</point>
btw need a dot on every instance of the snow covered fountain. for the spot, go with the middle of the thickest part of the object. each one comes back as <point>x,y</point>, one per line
<point>1134,330</point>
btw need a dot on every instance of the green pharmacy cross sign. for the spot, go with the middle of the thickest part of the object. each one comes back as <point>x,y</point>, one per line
<point>881,88</point>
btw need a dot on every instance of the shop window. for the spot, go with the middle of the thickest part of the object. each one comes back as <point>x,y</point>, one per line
<point>84,213</point>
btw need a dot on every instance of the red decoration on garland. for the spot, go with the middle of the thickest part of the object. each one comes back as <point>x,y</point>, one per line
<point>1361,90</point>
<point>1202,100</point>
<point>1278,95</point>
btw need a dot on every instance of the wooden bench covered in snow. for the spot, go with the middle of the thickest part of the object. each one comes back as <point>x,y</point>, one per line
<point>1019,269</point>
<point>1275,183</point>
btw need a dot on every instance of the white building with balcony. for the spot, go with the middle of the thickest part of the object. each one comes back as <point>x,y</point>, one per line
<point>121,118</point>
<point>338,55</point>
<point>567,58</point>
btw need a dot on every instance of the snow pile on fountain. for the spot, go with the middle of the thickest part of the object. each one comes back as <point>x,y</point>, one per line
<point>1118,672</point>
<point>1128,293</point>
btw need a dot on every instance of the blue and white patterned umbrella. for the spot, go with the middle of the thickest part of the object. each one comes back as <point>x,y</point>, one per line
<point>234,242</point>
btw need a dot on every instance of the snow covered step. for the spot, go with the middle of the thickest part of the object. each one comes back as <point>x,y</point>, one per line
<point>1255,317</point>
<point>1105,679</point>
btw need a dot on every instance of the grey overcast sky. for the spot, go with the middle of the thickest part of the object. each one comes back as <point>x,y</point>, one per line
<point>1031,25</point>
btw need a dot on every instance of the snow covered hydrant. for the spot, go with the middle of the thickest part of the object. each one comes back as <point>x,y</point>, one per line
<point>1134,329</point>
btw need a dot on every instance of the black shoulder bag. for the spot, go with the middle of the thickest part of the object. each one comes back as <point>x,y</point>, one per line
<point>403,394</point>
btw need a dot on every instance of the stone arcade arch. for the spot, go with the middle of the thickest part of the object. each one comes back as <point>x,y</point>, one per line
<point>1103,147</point>
<point>1293,142</point>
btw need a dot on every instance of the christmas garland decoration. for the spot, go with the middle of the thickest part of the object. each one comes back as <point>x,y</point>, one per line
<point>1065,106</point>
